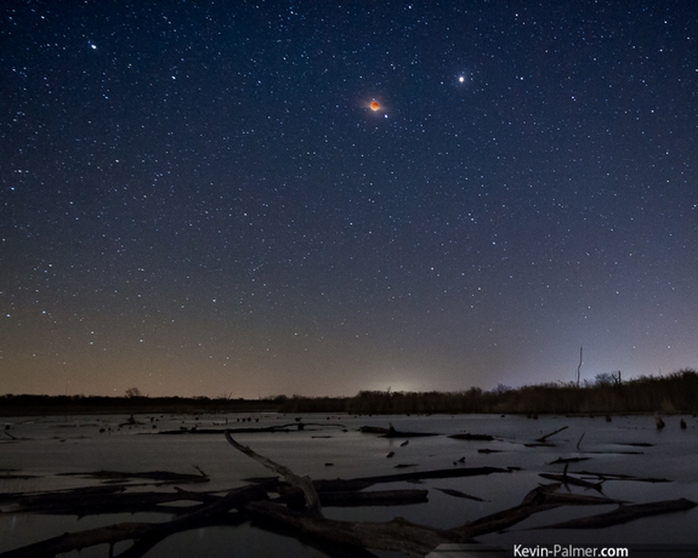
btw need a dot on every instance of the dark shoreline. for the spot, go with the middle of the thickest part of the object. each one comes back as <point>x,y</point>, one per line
<point>57,406</point>
<point>667,395</point>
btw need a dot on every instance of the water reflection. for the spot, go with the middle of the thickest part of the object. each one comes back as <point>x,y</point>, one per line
<point>40,449</point>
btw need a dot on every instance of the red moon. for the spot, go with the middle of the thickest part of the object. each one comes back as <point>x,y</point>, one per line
<point>375,105</point>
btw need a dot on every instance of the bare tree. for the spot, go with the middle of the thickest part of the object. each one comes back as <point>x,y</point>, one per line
<point>580,365</point>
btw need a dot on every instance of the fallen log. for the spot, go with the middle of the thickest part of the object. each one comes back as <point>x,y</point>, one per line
<point>436,474</point>
<point>620,477</point>
<point>544,438</point>
<point>353,498</point>
<point>163,477</point>
<point>374,429</point>
<point>459,494</point>
<point>568,460</point>
<point>615,452</point>
<point>397,535</point>
<point>542,498</point>
<point>111,534</point>
<point>17,476</point>
<point>476,437</point>
<point>312,500</point>
<point>624,514</point>
<point>84,501</point>
<point>401,497</point>
<point>289,427</point>
<point>391,432</point>
<point>566,479</point>
<point>532,503</point>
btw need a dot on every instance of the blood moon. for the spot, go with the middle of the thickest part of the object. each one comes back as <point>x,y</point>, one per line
<point>375,106</point>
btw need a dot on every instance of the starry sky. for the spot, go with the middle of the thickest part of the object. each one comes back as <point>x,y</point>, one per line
<point>198,198</point>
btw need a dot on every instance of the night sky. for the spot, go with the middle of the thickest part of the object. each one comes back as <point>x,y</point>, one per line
<point>198,198</point>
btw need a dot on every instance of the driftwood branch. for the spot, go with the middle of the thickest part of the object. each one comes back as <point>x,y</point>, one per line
<point>625,513</point>
<point>312,500</point>
<point>397,535</point>
<point>113,534</point>
<point>540,499</point>
<point>544,438</point>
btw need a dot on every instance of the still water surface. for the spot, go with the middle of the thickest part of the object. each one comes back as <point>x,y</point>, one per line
<point>47,446</point>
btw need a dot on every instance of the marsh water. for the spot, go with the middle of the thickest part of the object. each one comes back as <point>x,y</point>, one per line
<point>333,447</point>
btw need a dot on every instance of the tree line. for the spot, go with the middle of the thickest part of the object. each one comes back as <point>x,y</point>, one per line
<point>674,393</point>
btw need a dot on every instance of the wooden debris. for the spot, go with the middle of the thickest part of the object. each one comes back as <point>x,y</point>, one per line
<point>164,477</point>
<point>90,500</point>
<point>459,494</point>
<point>468,436</point>
<point>373,430</point>
<point>289,427</point>
<point>569,460</point>
<point>312,500</point>
<point>14,474</point>
<point>544,438</point>
<point>436,474</point>
<point>397,535</point>
<point>298,509</point>
<point>541,498</point>
<point>625,513</point>
<point>351,498</point>
<point>615,452</point>
<point>567,480</point>
<point>148,534</point>
<point>619,477</point>
<point>391,432</point>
